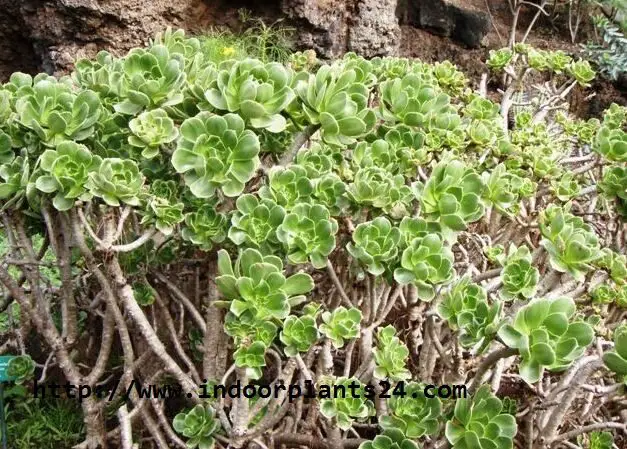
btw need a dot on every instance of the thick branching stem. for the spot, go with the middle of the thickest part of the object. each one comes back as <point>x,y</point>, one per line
<point>557,415</point>
<point>299,140</point>
<point>487,363</point>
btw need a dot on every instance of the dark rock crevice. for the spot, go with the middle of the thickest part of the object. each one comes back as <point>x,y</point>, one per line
<point>17,49</point>
<point>49,35</point>
<point>446,18</point>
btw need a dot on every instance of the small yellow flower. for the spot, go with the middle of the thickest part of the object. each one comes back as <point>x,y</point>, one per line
<point>228,51</point>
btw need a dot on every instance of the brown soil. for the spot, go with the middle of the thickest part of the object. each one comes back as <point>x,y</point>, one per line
<point>555,35</point>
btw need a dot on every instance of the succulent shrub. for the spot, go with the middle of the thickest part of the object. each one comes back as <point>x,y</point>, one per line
<point>615,264</point>
<point>547,336</point>
<point>390,356</point>
<point>308,234</point>
<point>20,368</point>
<point>375,187</point>
<point>603,294</point>
<point>344,408</point>
<point>375,244</point>
<point>54,112</point>
<point>504,189</point>
<point>143,293</point>
<point>614,182</point>
<point>390,439</point>
<point>601,440</point>
<point>452,195</point>
<point>67,171</point>
<point>198,425</point>
<point>257,286</point>
<point>149,78</point>
<point>616,360</point>
<point>426,263</point>
<point>363,68</point>
<point>499,59</point>
<point>341,324</point>
<point>330,191</point>
<point>611,144</point>
<point>216,152</point>
<point>566,187</point>
<point>520,278</point>
<point>337,102</point>
<point>414,414</point>
<point>582,71</point>
<point>246,329</point>
<point>16,176</point>
<point>318,159</point>
<point>412,227</point>
<point>205,227</point>
<point>288,186</point>
<point>258,92</point>
<point>465,307</point>
<point>151,130</point>
<point>450,79</point>
<point>251,357</point>
<point>414,102</point>
<point>255,222</point>
<point>408,146</point>
<point>478,423</point>
<point>378,153</point>
<point>298,334</point>
<point>571,243</point>
<point>303,60</point>
<point>383,182</point>
<point>116,181</point>
<point>480,108</point>
<point>165,214</point>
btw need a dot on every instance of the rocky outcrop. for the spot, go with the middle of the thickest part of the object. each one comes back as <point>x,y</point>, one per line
<point>331,27</point>
<point>450,18</point>
<point>47,35</point>
<point>321,24</point>
<point>50,34</point>
<point>375,30</point>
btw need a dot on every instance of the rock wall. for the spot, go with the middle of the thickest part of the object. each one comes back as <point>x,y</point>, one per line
<point>47,35</point>
<point>451,18</point>
<point>332,27</point>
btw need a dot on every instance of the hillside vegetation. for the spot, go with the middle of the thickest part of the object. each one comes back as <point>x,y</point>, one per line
<point>192,213</point>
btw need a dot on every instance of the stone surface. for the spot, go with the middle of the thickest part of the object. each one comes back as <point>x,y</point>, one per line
<point>320,24</point>
<point>332,27</point>
<point>374,30</point>
<point>447,18</point>
<point>49,34</point>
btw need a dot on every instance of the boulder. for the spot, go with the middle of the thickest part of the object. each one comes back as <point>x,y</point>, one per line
<point>367,27</point>
<point>447,18</point>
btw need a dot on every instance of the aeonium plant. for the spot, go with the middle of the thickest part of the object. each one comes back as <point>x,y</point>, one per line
<point>452,196</point>
<point>67,172</point>
<point>375,244</point>
<point>21,368</point>
<point>256,285</point>
<point>151,130</point>
<point>308,234</point>
<point>116,181</point>
<point>547,335</point>
<point>198,425</point>
<point>258,92</point>
<point>479,422</point>
<point>216,152</point>
<point>292,247</point>
<point>426,263</point>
